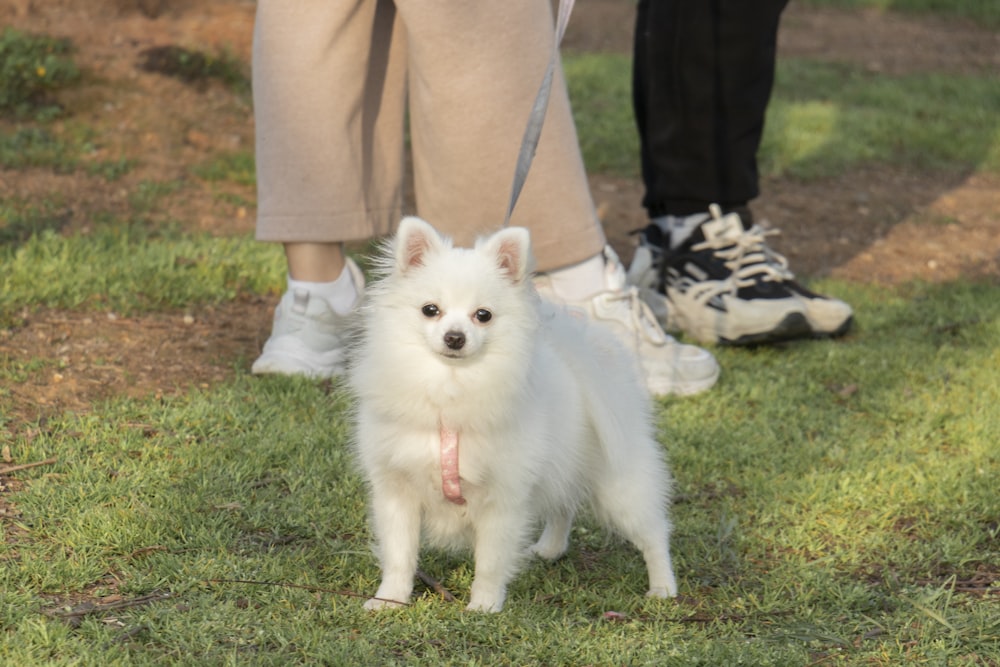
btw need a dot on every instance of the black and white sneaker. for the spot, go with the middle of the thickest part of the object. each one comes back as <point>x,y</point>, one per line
<point>723,284</point>
<point>827,316</point>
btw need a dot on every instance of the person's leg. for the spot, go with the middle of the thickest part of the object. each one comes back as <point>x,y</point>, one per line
<point>702,79</point>
<point>470,98</point>
<point>747,52</point>
<point>315,262</point>
<point>329,101</point>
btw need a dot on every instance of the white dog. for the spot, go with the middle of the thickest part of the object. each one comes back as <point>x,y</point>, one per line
<point>484,411</point>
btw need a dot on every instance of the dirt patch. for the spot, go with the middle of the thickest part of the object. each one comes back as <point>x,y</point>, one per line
<point>876,224</point>
<point>164,127</point>
<point>954,235</point>
<point>889,43</point>
<point>70,361</point>
<point>878,40</point>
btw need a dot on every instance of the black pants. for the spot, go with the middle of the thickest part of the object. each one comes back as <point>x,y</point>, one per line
<point>702,77</point>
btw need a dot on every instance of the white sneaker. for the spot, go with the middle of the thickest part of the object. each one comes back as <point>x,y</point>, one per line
<point>669,367</point>
<point>308,337</point>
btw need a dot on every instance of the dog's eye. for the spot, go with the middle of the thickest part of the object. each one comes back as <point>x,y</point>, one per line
<point>430,310</point>
<point>483,316</point>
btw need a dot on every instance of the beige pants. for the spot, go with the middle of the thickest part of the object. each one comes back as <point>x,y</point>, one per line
<point>330,84</point>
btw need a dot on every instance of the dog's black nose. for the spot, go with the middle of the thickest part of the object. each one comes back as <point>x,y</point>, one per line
<point>455,340</point>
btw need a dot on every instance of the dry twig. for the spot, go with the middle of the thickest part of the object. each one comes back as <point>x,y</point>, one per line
<point>436,586</point>
<point>75,615</point>
<point>314,589</point>
<point>6,470</point>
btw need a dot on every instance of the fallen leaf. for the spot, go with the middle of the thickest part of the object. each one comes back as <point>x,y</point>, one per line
<point>848,391</point>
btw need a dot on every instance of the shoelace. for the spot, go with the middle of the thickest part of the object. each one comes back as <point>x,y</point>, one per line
<point>748,257</point>
<point>640,314</point>
<point>775,259</point>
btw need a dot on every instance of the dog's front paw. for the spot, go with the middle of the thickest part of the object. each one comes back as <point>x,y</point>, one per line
<point>486,598</point>
<point>489,606</point>
<point>376,604</point>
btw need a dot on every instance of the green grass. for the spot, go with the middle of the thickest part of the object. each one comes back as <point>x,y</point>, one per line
<point>824,118</point>
<point>237,167</point>
<point>836,500</point>
<point>145,197</point>
<point>111,170</point>
<point>32,68</point>
<point>37,146</point>
<point>195,67</point>
<point>63,149</point>
<point>984,12</point>
<point>837,523</point>
<point>20,220</point>
<point>601,92</point>
<point>128,268</point>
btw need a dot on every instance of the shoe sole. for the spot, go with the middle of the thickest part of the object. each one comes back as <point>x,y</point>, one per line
<point>836,333</point>
<point>284,365</point>
<point>794,325</point>
<point>686,388</point>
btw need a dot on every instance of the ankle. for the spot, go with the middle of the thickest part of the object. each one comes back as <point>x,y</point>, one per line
<point>677,228</point>
<point>580,281</point>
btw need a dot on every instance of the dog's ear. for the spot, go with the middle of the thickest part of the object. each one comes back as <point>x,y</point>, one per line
<point>512,249</point>
<point>414,239</point>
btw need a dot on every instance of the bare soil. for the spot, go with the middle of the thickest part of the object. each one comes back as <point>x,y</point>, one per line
<point>876,225</point>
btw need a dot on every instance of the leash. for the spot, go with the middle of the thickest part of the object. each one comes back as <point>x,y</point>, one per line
<point>529,143</point>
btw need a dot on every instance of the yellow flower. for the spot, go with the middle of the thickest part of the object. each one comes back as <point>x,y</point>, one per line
<point>40,71</point>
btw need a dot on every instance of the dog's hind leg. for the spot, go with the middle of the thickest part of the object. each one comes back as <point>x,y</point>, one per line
<point>637,511</point>
<point>653,541</point>
<point>555,537</point>
<point>656,553</point>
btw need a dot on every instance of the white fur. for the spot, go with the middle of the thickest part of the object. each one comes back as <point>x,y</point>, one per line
<point>549,411</point>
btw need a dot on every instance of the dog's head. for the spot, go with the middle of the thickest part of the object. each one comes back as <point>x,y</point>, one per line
<point>461,299</point>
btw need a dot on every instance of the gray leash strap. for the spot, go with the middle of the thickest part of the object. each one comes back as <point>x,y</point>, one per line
<point>529,143</point>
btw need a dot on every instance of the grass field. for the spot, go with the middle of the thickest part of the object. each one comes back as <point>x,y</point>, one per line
<point>837,501</point>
